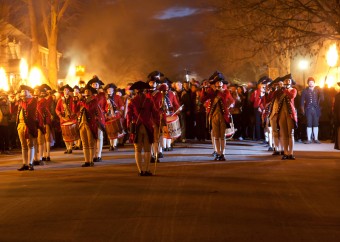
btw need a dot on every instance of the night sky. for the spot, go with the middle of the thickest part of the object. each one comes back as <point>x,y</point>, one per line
<point>124,40</point>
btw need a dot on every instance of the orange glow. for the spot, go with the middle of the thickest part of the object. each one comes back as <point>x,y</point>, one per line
<point>35,77</point>
<point>23,69</point>
<point>3,80</point>
<point>332,56</point>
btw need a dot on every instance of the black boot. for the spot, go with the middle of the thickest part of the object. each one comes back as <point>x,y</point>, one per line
<point>24,168</point>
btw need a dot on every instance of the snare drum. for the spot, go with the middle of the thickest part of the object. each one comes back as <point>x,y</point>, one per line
<point>114,128</point>
<point>70,131</point>
<point>172,128</point>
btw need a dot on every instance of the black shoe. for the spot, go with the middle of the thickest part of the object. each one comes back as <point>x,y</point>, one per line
<point>160,155</point>
<point>270,149</point>
<point>98,159</point>
<point>31,167</point>
<point>291,157</point>
<point>44,159</point>
<point>94,159</point>
<point>36,162</point>
<point>170,149</point>
<point>91,164</point>
<point>69,152</point>
<point>284,157</point>
<point>147,173</point>
<point>111,148</point>
<point>165,149</point>
<point>217,157</point>
<point>24,168</point>
<point>317,142</point>
<point>76,148</point>
<point>221,157</point>
<point>276,153</point>
<point>66,152</point>
<point>153,159</point>
<point>282,152</point>
<point>48,158</point>
<point>141,173</point>
<point>214,154</point>
<point>86,164</point>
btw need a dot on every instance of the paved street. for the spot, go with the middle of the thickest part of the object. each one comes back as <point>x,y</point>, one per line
<point>253,196</point>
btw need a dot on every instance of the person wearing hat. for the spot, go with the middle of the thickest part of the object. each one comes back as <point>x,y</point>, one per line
<point>153,93</point>
<point>39,94</point>
<point>66,111</point>
<point>114,110</point>
<point>4,123</point>
<point>284,111</point>
<point>76,98</point>
<point>90,119</point>
<point>142,116</point>
<point>257,100</point>
<point>96,83</point>
<point>27,126</point>
<point>218,111</point>
<point>311,98</point>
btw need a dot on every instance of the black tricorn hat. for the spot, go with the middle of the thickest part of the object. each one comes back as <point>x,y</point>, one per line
<point>89,87</point>
<point>76,87</point>
<point>139,85</point>
<point>47,87</point>
<point>153,76</point>
<point>289,76</point>
<point>95,79</point>
<point>66,86</point>
<point>24,87</point>
<point>217,76</point>
<point>167,81</point>
<point>262,80</point>
<point>110,85</point>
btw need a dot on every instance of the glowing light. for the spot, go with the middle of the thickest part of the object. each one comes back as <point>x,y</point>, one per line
<point>330,82</point>
<point>3,79</point>
<point>332,56</point>
<point>79,70</point>
<point>303,65</point>
<point>71,71</point>
<point>35,77</point>
<point>23,69</point>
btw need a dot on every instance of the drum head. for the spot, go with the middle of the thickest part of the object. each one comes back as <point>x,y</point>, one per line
<point>170,119</point>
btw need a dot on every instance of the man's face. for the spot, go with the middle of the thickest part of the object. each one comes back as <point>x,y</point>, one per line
<point>66,92</point>
<point>110,91</point>
<point>311,83</point>
<point>87,92</point>
<point>24,94</point>
<point>218,85</point>
<point>95,85</point>
<point>287,82</point>
<point>178,86</point>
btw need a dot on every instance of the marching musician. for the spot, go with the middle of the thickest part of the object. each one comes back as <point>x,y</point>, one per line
<point>126,100</point>
<point>218,111</point>
<point>115,110</point>
<point>143,115</point>
<point>76,98</point>
<point>27,126</point>
<point>102,102</point>
<point>66,112</point>
<point>168,104</point>
<point>39,94</point>
<point>153,93</point>
<point>90,119</point>
<point>286,117</point>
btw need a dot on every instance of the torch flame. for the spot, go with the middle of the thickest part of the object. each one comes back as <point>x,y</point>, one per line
<point>23,69</point>
<point>35,77</point>
<point>332,56</point>
<point>3,79</point>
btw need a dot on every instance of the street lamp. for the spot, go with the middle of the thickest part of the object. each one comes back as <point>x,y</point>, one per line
<point>303,65</point>
<point>332,58</point>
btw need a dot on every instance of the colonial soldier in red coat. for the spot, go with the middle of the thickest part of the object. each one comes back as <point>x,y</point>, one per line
<point>41,113</point>
<point>283,107</point>
<point>101,99</point>
<point>27,126</point>
<point>48,120</point>
<point>114,113</point>
<point>65,110</point>
<point>218,113</point>
<point>143,115</point>
<point>90,119</point>
<point>77,96</point>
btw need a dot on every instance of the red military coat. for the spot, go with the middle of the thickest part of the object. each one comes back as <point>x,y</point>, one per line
<point>94,115</point>
<point>142,110</point>
<point>50,111</point>
<point>30,116</point>
<point>225,100</point>
<point>61,111</point>
<point>41,114</point>
<point>165,99</point>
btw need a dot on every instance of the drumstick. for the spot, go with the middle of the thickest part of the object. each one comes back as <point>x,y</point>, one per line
<point>180,108</point>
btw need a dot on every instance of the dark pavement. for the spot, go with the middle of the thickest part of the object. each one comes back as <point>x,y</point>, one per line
<point>253,196</point>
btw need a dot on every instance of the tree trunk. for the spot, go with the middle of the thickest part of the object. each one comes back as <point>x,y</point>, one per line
<point>34,35</point>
